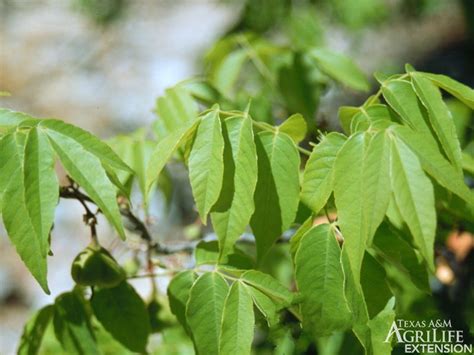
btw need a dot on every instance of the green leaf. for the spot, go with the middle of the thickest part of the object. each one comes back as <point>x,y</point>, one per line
<point>399,254</point>
<point>237,321</point>
<point>178,294</point>
<point>320,280</point>
<point>269,286</point>
<point>375,116</point>
<point>41,188</point>
<point>208,253</point>
<point>176,108</point>
<point>440,118</point>
<point>415,197</point>
<point>9,118</point>
<point>28,219</point>
<point>468,166</point>
<point>379,328</point>
<point>34,330</point>
<point>340,68</point>
<point>299,89</point>
<point>317,183</point>
<point>122,312</point>
<point>401,96</point>
<point>165,149</point>
<point>204,311</point>
<point>374,285</point>
<point>227,72</point>
<point>348,193</point>
<point>376,181</point>
<point>206,165</point>
<point>72,326</point>
<point>300,232</point>
<point>355,297</point>
<point>88,142</point>
<point>462,92</point>
<point>295,126</point>
<point>232,212</point>
<point>434,163</point>
<point>268,307</point>
<point>277,193</point>
<point>346,114</point>
<point>86,169</point>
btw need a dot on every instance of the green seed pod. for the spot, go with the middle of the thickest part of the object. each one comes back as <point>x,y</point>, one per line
<point>94,266</point>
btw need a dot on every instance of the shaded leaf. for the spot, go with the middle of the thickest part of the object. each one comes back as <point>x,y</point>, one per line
<point>277,192</point>
<point>232,212</point>
<point>34,330</point>
<point>340,68</point>
<point>178,294</point>
<point>374,285</point>
<point>398,253</point>
<point>122,312</point>
<point>72,325</point>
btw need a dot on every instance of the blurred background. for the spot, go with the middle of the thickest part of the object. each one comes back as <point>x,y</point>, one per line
<point>102,64</point>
